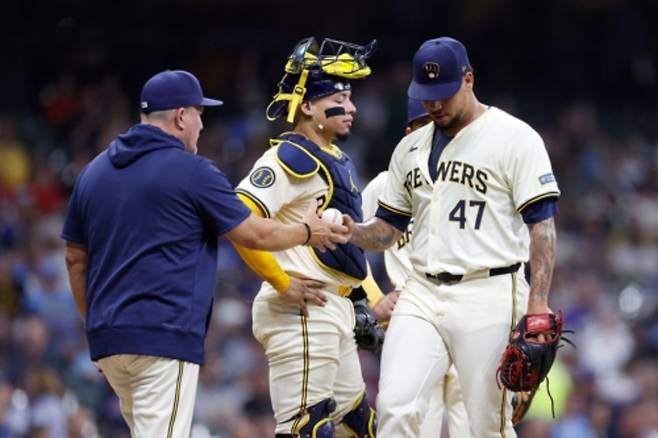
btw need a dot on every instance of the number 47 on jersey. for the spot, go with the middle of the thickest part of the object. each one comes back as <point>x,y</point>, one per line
<point>458,213</point>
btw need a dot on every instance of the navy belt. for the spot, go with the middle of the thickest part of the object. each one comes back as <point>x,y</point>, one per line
<point>448,278</point>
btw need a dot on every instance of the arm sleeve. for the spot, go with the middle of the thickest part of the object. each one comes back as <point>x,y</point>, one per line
<point>215,199</point>
<point>263,263</point>
<point>397,219</point>
<point>540,210</point>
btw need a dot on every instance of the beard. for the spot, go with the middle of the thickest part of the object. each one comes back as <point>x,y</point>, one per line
<point>451,122</point>
<point>343,136</point>
<point>446,125</point>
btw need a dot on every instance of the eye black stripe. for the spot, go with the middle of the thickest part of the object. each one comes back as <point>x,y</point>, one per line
<point>334,111</point>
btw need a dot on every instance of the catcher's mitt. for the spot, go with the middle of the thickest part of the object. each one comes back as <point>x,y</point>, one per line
<point>368,334</point>
<point>526,360</point>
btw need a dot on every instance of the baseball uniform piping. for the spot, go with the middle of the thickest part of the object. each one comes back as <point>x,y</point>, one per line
<point>174,411</point>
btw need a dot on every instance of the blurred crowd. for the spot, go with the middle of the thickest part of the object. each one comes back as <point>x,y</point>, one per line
<point>606,280</point>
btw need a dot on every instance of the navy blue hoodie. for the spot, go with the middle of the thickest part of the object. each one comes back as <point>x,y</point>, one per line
<point>149,214</point>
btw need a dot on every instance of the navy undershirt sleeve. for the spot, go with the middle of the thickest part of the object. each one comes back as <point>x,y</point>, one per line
<point>399,221</point>
<point>540,210</point>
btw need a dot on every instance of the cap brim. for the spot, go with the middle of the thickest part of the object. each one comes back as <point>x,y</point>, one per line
<point>211,102</point>
<point>433,92</point>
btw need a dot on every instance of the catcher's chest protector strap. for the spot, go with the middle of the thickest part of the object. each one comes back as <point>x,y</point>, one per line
<point>295,160</point>
<point>303,158</point>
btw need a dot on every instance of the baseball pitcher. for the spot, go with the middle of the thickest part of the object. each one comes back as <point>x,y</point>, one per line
<point>447,394</point>
<point>479,186</point>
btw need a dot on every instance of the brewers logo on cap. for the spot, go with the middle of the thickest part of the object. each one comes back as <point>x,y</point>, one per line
<point>431,70</point>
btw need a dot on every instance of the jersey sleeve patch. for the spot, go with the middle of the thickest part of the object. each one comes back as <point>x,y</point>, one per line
<point>262,177</point>
<point>296,160</point>
<point>547,178</point>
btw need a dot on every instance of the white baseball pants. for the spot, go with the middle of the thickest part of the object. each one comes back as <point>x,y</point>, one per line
<point>310,359</point>
<point>433,326</point>
<point>446,396</point>
<point>156,394</point>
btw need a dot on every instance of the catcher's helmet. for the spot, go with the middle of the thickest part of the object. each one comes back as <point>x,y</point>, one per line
<point>315,71</point>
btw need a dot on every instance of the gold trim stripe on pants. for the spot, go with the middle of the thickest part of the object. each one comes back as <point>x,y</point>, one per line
<point>174,411</point>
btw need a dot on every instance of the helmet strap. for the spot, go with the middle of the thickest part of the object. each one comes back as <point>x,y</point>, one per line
<point>297,96</point>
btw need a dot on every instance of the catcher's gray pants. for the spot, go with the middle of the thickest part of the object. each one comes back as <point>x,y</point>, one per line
<point>310,359</point>
<point>433,326</point>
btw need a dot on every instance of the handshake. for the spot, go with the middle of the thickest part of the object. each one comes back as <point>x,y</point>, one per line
<point>329,230</point>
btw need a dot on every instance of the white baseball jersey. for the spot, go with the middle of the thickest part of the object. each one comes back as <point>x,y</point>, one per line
<point>396,257</point>
<point>310,359</point>
<point>286,198</point>
<point>469,219</point>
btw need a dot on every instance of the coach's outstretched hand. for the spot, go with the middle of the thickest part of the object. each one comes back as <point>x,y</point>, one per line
<point>302,291</point>
<point>324,235</point>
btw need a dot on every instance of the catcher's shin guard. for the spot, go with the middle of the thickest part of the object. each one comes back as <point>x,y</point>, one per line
<point>314,423</point>
<point>362,419</point>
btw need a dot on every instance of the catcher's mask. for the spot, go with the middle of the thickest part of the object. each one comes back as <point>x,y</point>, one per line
<point>315,71</point>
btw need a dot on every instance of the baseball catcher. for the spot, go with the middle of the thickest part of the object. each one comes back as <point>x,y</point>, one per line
<point>315,376</point>
<point>529,357</point>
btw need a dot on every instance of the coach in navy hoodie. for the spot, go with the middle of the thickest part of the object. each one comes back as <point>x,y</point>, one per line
<point>141,229</point>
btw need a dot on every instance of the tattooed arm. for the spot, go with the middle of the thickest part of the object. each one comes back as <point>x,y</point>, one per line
<point>542,262</point>
<point>373,235</point>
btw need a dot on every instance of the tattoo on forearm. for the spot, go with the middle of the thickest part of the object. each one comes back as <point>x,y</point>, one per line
<point>542,259</point>
<point>375,235</point>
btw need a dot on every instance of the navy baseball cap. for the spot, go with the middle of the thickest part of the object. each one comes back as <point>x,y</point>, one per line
<point>415,110</point>
<point>172,89</point>
<point>318,85</point>
<point>438,68</point>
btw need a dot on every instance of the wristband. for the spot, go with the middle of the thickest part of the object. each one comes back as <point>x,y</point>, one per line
<point>308,233</point>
